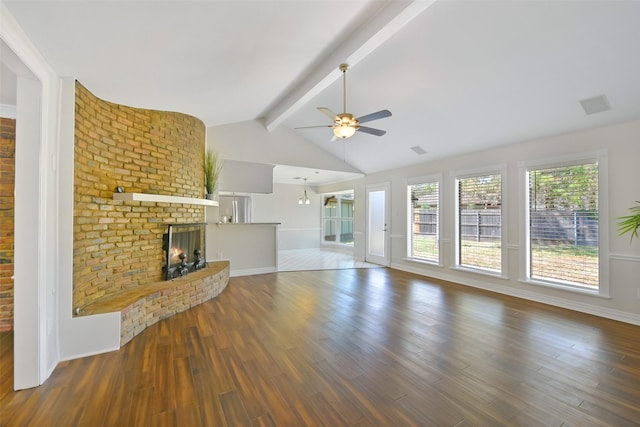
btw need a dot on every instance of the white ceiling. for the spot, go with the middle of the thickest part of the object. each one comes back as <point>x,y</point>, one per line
<point>458,76</point>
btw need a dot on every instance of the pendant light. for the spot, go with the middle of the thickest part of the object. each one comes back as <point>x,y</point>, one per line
<point>304,200</point>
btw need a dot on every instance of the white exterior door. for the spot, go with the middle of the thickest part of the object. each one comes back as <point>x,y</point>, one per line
<point>377,237</point>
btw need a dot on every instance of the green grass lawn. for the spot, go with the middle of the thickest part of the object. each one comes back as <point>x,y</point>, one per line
<point>548,262</point>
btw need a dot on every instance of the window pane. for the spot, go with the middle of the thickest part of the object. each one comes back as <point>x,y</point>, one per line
<point>337,216</point>
<point>330,207</point>
<point>424,229</point>
<point>563,224</point>
<point>346,231</point>
<point>346,208</point>
<point>480,209</point>
<point>330,230</point>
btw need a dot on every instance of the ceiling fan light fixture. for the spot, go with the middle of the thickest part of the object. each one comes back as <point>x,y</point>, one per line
<point>345,124</point>
<point>344,131</point>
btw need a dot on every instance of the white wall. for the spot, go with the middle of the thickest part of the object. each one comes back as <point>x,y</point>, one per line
<point>246,177</point>
<point>300,225</point>
<point>249,248</point>
<point>621,142</point>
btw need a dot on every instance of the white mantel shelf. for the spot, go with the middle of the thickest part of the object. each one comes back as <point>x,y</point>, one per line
<point>144,197</point>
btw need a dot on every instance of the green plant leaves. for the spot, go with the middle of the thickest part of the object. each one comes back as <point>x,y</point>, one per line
<point>630,223</point>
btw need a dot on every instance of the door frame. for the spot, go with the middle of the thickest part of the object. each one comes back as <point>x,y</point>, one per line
<point>385,259</point>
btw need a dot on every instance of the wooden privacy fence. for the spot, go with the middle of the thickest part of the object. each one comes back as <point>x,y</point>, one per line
<point>557,227</point>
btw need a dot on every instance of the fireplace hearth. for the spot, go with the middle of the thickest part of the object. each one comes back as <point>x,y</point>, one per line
<point>183,246</point>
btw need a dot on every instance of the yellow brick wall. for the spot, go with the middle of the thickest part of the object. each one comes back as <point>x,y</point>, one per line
<point>7,181</point>
<point>117,244</point>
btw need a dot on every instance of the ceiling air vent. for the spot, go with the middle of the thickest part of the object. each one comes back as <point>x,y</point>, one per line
<point>419,150</point>
<point>594,105</point>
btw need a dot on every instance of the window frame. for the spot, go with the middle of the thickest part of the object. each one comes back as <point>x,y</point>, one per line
<point>457,176</point>
<point>437,178</point>
<point>337,219</point>
<point>601,158</point>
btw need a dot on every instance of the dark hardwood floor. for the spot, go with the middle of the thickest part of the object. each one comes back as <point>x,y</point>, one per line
<point>368,347</point>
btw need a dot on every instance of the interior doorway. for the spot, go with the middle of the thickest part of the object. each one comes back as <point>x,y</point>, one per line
<point>22,79</point>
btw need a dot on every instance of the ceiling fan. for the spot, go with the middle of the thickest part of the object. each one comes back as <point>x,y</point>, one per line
<point>344,124</point>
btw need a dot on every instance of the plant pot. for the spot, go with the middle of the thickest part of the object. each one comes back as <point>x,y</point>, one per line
<point>211,196</point>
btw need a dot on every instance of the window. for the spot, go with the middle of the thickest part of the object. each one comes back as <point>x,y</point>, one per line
<point>423,234</point>
<point>479,220</point>
<point>337,218</point>
<point>563,232</point>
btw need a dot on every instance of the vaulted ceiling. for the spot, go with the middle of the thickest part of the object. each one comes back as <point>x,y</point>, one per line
<point>458,76</point>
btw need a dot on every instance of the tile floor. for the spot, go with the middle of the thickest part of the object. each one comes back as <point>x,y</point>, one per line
<point>318,259</point>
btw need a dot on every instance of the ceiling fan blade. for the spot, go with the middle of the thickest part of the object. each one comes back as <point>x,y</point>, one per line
<point>327,112</point>
<point>333,138</point>
<point>311,127</point>
<point>371,131</point>
<point>374,116</point>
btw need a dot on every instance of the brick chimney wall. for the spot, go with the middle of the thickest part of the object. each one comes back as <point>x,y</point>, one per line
<point>7,186</point>
<point>118,244</point>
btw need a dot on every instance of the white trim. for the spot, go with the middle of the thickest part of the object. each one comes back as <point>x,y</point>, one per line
<point>384,260</point>
<point>416,180</point>
<point>623,257</point>
<point>439,179</point>
<point>607,313</point>
<point>601,158</point>
<point>252,271</point>
<point>577,289</point>
<point>566,160</point>
<point>423,261</point>
<point>338,218</point>
<point>479,270</point>
<point>93,353</point>
<point>42,267</point>
<point>456,176</point>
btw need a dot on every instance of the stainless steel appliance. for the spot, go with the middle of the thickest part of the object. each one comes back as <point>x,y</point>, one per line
<point>237,208</point>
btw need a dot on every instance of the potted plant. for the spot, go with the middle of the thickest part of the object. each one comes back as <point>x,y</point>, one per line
<point>630,223</point>
<point>213,165</point>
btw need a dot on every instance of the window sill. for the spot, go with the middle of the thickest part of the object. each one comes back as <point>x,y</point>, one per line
<point>424,261</point>
<point>567,288</point>
<point>491,273</point>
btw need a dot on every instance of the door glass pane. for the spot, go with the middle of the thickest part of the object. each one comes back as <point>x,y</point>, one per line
<point>376,223</point>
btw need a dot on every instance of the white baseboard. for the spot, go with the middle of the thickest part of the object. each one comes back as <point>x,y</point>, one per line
<point>93,353</point>
<point>252,271</point>
<point>621,316</point>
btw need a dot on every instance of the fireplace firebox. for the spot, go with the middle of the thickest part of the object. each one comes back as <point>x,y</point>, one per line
<point>184,249</point>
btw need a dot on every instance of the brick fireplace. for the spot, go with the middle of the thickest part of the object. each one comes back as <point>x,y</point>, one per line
<point>118,244</point>
<point>7,181</point>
